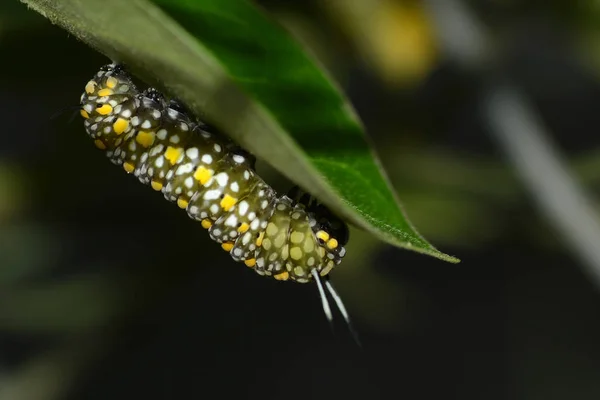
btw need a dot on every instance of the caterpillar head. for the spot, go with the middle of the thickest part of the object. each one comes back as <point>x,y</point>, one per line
<point>110,87</point>
<point>331,232</point>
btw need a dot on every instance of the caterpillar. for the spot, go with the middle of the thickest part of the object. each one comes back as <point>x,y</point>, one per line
<point>155,138</point>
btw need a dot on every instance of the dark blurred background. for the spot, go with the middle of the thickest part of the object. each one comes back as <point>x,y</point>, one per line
<point>107,291</point>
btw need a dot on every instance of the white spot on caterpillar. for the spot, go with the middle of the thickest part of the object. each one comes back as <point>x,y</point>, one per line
<point>231,220</point>
<point>246,238</point>
<point>185,169</point>
<point>192,153</point>
<point>212,194</point>
<point>222,178</point>
<point>161,134</point>
<point>156,150</point>
<point>243,207</point>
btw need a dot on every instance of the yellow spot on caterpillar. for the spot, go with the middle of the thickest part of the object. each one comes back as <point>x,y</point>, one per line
<point>182,203</point>
<point>202,175</point>
<point>332,243</point>
<point>227,202</point>
<point>324,236</point>
<point>172,154</point>
<point>84,114</point>
<point>251,262</point>
<point>105,92</point>
<point>104,110</point>
<point>284,276</point>
<point>90,87</point>
<point>146,139</point>
<point>120,125</point>
<point>156,185</point>
<point>111,82</point>
<point>100,144</point>
<point>296,253</point>
<point>259,240</point>
<point>129,167</point>
<point>227,246</point>
<point>243,228</point>
<point>299,271</point>
<point>206,223</point>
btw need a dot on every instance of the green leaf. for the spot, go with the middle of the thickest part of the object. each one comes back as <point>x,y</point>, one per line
<point>242,72</point>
